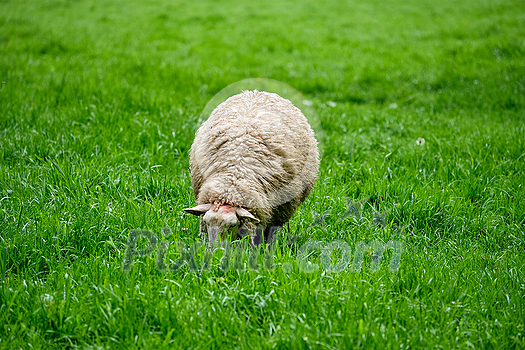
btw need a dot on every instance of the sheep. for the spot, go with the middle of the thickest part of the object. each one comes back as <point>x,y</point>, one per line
<point>252,163</point>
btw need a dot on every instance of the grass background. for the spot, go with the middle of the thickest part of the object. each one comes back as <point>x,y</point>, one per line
<point>99,102</point>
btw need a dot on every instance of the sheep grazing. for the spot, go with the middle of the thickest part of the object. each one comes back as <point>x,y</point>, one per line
<point>253,162</point>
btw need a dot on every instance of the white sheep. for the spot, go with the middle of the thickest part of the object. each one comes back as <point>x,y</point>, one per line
<point>254,161</point>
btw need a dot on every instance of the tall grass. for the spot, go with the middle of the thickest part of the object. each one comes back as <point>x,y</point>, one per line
<point>99,103</point>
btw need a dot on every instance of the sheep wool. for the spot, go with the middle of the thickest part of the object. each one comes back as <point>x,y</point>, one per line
<point>252,163</point>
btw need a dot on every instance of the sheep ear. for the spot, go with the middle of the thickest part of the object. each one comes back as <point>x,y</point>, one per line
<point>199,209</point>
<point>245,214</point>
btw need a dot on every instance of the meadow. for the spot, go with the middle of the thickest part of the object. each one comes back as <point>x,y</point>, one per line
<point>99,104</point>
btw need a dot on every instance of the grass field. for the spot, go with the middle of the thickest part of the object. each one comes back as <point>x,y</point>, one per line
<point>99,104</point>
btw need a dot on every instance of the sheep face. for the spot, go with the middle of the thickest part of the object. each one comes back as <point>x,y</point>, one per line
<point>224,221</point>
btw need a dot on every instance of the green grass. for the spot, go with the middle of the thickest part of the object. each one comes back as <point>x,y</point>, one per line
<point>99,103</point>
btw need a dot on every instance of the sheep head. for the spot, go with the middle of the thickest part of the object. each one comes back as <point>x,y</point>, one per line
<point>222,220</point>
